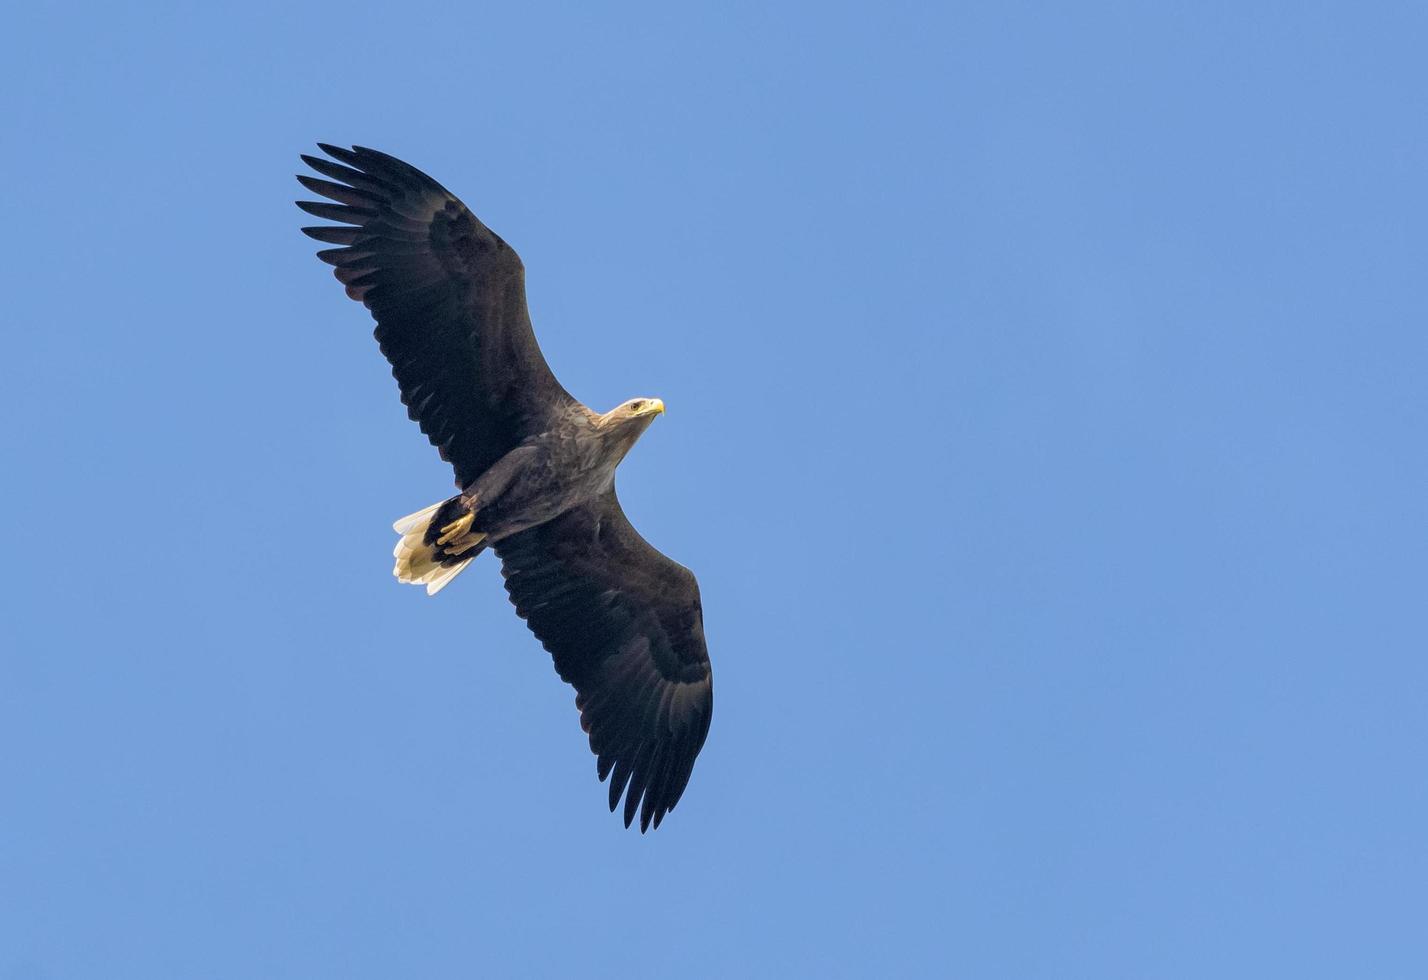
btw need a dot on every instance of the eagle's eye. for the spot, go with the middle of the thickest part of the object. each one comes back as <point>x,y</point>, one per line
<point>635,406</point>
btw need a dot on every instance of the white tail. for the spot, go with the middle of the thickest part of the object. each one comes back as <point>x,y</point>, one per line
<point>419,563</point>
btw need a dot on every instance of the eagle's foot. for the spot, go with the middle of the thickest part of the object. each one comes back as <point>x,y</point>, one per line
<point>464,544</point>
<point>455,529</point>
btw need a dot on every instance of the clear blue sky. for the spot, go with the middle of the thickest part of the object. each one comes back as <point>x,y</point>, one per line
<point>1046,427</point>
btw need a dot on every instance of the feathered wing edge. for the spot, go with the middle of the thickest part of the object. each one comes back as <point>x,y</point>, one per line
<point>448,295</point>
<point>624,626</point>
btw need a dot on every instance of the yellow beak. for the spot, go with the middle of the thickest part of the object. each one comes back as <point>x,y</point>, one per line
<point>655,407</point>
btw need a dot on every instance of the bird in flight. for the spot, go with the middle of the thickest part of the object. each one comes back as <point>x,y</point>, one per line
<point>535,470</point>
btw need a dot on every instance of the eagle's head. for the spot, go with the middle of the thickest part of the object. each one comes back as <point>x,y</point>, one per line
<point>635,412</point>
<point>625,423</point>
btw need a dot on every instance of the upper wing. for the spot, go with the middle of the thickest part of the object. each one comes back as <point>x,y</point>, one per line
<point>626,629</point>
<point>449,299</point>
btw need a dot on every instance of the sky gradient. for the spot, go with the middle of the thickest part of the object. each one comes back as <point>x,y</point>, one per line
<point>1046,429</point>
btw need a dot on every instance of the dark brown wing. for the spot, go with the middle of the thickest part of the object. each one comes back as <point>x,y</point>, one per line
<point>625,627</point>
<point>449,298</point>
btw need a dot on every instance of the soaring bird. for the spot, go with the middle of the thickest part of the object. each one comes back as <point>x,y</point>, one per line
<point>535,470</point>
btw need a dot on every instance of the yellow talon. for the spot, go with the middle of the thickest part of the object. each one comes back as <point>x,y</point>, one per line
<point>455,529</point>
<point>463,546</point>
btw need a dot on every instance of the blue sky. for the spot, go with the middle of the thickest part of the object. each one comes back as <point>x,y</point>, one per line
<point>1046,412</point>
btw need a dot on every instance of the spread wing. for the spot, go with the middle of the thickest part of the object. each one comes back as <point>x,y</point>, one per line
<point>449,299</point>
<point>625,627</point>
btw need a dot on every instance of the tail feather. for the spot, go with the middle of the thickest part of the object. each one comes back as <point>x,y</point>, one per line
<point>434,556</point>
<point>422,517</point>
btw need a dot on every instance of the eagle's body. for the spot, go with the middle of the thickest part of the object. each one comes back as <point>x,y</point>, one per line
<point>535,469</point>
<point>570,464</point>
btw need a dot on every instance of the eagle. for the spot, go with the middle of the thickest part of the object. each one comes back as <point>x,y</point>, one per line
<point>535,470</point>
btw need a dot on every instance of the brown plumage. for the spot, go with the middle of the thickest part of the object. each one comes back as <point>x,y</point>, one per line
<point>535,468</point>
